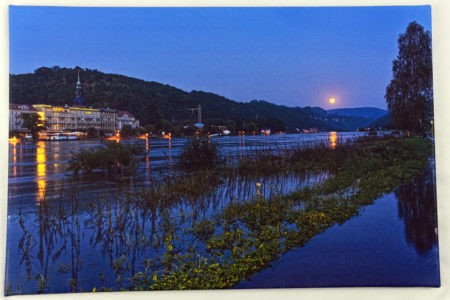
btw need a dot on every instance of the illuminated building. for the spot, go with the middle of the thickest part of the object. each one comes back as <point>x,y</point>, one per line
<point>59,118</point>
<point>126,118</point>
<point>108,119</point>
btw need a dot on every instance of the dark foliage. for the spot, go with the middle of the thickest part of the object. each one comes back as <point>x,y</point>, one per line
<point>385,122</point>
<point>409,95</point>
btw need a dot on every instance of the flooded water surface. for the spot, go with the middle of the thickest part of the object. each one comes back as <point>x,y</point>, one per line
<point>74,235</point>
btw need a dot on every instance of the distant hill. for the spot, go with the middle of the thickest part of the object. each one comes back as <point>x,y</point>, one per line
<point>363,112</point>
<point>385,122</point>
<point>357,117</point>
<point>159,104</point>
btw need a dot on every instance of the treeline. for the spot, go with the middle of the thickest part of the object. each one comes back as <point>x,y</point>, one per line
<point>165,107</point>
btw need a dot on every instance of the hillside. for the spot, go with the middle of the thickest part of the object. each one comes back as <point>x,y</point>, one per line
<point>356,117</point>
<point>155,104</point>
<point>363,112</point>
<point>385,122</point>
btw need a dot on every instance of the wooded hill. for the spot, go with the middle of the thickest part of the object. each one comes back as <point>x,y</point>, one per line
<point>154,103</point>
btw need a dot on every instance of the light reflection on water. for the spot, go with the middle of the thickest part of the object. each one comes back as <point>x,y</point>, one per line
<point>99,231</point>
<point>333,139</point>
<point>41,169</point>
<point>43,166</point>
<point>14,159</point>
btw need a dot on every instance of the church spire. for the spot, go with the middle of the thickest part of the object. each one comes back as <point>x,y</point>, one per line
<point>79,88</point>
<point>79,100</point>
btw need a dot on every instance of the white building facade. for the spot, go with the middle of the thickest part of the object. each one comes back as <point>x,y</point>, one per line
<point>15,115</point>
<point>126,118</point>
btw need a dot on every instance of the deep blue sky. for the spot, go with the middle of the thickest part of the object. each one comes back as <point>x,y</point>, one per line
<point>290,56</point>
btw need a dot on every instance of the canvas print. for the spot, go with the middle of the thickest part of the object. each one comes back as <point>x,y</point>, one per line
<point>220,148</point>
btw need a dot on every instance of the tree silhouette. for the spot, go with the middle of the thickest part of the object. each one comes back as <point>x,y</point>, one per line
<point>409,95</point>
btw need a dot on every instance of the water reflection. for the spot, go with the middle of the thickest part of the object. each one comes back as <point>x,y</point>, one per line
<point>170,161</point>
<point>66,239</point>
<point>333,139</point>
<point>14,157</point>
<point>392,243</point>
<point>41,169</point>
<point>45,164</point>
<point>242,140</point>
<point>148,170</point>
<point>113,235</point>
<point>417,207</point>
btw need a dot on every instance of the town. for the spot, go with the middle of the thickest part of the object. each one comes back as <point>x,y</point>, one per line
<point>69,122</point>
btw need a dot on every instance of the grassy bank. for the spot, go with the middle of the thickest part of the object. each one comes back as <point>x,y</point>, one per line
<point>249,235</point>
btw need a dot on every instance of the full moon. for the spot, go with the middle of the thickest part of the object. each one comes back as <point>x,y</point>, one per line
<point>332,101</point>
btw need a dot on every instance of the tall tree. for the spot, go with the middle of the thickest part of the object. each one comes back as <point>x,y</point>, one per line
<point>33,123</point>
<point>409,95</point>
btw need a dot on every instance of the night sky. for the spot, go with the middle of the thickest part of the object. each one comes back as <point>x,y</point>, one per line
<point>289,56</point>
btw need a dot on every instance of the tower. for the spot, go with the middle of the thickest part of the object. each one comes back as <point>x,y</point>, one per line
<point>79,100</point>
<point>79,88</point>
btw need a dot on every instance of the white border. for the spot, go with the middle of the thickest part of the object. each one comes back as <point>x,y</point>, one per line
<point>441,63</point>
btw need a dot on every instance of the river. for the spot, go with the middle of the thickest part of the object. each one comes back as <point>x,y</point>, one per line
<point>59,229</point>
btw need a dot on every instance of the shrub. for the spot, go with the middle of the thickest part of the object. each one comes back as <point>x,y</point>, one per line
<point>198,154</point>
<point>112,158</point>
